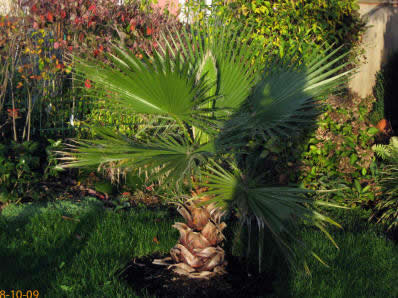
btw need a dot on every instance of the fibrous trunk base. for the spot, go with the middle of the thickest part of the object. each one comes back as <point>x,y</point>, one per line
<point>198,253</point>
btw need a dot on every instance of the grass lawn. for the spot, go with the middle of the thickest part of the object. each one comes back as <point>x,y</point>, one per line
<point>66,249</point>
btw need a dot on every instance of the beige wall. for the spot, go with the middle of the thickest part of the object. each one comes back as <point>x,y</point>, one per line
<point>5,6</point>
<point>380,40</point>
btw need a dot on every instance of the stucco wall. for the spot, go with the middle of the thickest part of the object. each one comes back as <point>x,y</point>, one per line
<point>380,40</point>
<point>5,7</point>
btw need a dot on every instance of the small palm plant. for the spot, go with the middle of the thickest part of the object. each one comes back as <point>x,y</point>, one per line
<point>203,98</point>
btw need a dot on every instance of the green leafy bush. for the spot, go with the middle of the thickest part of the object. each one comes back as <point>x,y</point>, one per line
<point>334,155</point>
<point>284,25</point>
<point>19,169</point>
<point>339,154</point>
<point>23,166</point>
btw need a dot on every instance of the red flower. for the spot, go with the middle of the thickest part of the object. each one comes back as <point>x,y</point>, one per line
<point>149,188</point>
<point>33,8</point>
<point>56,45</point>
<point>70,48</point>
<point>384,126</point>
<point>13,113</point>
<point>92,8</point>
<point>50,17</point>
<point>96,52</point>
<point>63,14</point>
<point>87,83</point>
<point>59,66</point>
<point>149,30</point>
<point>81,36</point>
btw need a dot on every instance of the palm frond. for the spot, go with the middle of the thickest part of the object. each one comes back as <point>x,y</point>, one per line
<point>278,210</point>
<point>237,68</point>
<point>145,86</point>
<point>387,152</point>
<point>288,96</point>
<point>172,158</point>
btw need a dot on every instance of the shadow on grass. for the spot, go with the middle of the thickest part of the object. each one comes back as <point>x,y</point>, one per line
<point>30,260</point>
<point>274,263</point>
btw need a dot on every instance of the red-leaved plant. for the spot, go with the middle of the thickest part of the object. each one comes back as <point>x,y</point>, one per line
<point>90,25</point>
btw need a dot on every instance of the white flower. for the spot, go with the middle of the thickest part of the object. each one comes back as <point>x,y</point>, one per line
<point>49,108</point>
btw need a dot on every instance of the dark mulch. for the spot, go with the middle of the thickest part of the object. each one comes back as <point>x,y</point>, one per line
<point>140,273</point>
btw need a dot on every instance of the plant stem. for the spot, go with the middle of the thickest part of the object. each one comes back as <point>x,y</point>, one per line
<point>28,117</point>
<point>14,126</point>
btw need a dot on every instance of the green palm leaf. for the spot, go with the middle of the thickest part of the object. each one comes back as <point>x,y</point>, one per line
<point>276,209</point>
<point>288,96</point>
<point>236,66</point>
<point>146,86</point>
<point>171,158</point>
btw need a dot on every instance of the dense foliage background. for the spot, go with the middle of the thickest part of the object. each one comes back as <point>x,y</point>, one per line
<point>40,103</point>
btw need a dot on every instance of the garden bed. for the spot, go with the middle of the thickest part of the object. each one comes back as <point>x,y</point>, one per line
<point>162,282</point>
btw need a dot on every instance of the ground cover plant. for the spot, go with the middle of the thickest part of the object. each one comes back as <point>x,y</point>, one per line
<point>212,97</point>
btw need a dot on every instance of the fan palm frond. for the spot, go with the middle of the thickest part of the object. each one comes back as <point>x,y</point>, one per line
<point>237,67</point>
<point>288,96</point>
<point>172,157</point>
<point>146,86</point>
<point>276,209</point>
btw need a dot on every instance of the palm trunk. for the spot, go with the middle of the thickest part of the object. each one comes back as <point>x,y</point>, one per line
<point>198,253</point>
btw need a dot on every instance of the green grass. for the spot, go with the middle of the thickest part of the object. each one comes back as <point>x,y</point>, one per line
<point>365,266</point>
<point>68,258</point>
<point>41,250</point>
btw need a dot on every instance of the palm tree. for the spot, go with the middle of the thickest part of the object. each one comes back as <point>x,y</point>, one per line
<point>203,97</point>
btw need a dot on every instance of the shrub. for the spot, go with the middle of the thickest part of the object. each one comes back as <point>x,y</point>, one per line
<point>35,47</point>
<point>336,155</point>
<point>89,26</point>
<point>23,166</point>
<point>38,99</point>
<point>340,150</point>
<point>284,25</point>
